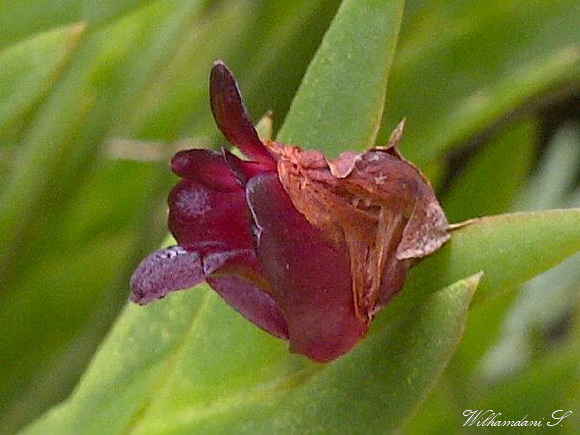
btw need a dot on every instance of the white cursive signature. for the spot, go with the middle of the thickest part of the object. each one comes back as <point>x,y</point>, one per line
<point>480,417</point>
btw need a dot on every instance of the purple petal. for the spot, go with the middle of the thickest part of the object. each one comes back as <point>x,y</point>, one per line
<point>252,302</point>
<point>231,115</point>
<point>241,262</point>
<point>207,167</point>
<point>173,269</point>
<point>202,219</point>
<point>165,271</point>
<point>238,278</point>
<point>311,277</point>
<point>244,170</point>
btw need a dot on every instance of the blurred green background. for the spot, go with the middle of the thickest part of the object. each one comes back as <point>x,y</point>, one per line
<point>95,97</point>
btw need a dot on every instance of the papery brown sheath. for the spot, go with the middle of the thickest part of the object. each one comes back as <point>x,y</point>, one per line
<point>376,203</point>
<point>307,248</point>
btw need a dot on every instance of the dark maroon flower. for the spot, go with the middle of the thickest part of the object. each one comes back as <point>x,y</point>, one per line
<point>307,248</point>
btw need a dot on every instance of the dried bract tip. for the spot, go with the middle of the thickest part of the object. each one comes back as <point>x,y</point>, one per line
<point>376,204</point>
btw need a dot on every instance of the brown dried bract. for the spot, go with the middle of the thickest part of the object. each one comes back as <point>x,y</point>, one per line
<point>375,203</point>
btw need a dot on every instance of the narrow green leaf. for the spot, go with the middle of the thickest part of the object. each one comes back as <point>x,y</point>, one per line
<point>72,123</point>
<point>163,42</point>
<point>541,306</point>
<point>21,19</point>
<point>389,374</point>
<point>340,102</point>
<point>107,10</point>
<point>281,38</point>
<point>554,179</point>
<point>175,366</point>
<point>28,69</point>
<point>52,255</point>
<point>191,380</point>
<point>438,413</point>
<point>120,213</point>
<point>489,183</point>
<point>463,66</point>
<point>548,385</point>
<point>510,249</point>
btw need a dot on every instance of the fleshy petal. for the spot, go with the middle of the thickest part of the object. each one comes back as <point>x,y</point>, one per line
<point>231,115</point>
<point>165,271</point>
<point>201,218</point>
<point>207,167</point>
<point>243,169</point>
<point>238,278</point>
<point>252,302</point>
<point>241,262</point>
<point>311,277</point>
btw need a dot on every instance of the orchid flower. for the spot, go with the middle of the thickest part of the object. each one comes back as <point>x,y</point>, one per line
<point>306,247</point>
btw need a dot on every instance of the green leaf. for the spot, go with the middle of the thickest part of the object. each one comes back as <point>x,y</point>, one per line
<point>340,102</point>
<point>510,249</point>
<point>64,245</point>
<point>544,387</point>
<point>72,123</point>
<point>100,217</point>
<point>107,10</point>
<point>191,380</point>
<point>23,18</point>
<point>515,330</point>
<point>180,359</point>
<point>28,69</point>
<point>281,37</point>
<point>554,179</point>
<point>462,67</point>
<point>490,181</point>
